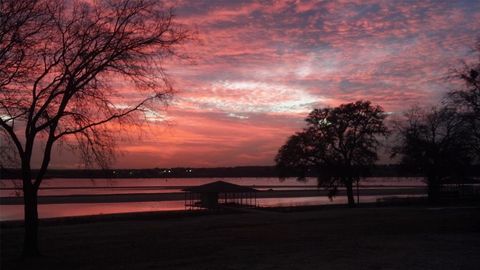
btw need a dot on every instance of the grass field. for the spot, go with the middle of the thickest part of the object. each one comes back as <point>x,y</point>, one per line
<point>327,238</point>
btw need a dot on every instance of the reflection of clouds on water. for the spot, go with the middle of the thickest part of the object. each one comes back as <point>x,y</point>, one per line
<point>15,212</point>
<point>324,200</point>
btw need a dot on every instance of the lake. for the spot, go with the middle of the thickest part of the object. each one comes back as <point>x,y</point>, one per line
<point>300,194</point>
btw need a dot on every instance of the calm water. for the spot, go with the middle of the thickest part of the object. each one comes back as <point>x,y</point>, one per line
<point>61,186</point>
<point>58,187</point>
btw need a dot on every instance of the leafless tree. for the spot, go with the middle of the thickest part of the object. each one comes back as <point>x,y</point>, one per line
<point>435,143</point>
<point>466,100</point>
<point>63,65</point>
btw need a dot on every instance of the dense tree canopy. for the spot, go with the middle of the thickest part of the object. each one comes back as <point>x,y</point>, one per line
<point>337,143</point>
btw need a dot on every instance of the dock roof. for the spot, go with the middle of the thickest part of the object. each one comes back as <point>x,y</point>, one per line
<point>219,187</point>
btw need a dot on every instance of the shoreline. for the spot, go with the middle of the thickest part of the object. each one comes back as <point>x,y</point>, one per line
<point>175,214</point>
<point>394,203</point>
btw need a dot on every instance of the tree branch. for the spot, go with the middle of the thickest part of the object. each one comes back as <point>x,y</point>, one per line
<point>112,117</point>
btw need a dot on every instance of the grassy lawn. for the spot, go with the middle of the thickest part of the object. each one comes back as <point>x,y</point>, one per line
<point>363,238</point>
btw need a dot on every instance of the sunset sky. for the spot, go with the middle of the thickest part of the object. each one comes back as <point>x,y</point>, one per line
<point>261,66</point>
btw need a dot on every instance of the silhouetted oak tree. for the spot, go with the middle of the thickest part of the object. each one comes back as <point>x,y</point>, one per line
<point>338,144</point>
<point>62,67</point>
<point>435,143</point>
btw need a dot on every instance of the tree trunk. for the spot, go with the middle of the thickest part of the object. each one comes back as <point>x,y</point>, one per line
<point>30,244</point>
<point>351,198</point>
<point>433,191</point>
<point>358,191</point>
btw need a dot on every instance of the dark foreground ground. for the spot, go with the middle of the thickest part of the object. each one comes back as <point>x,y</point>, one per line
<point>363,238</point>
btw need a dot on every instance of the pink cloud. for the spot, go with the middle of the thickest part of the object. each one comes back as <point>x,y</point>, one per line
<point>260,66</point>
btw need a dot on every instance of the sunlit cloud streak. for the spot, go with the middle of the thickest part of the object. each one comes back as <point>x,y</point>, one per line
<point>261,66</point>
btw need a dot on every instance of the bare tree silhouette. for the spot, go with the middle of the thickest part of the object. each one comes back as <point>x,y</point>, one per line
<point>338,143</point>
<point>61,66</point>
<point>466,101</point>
<point>436,143</point>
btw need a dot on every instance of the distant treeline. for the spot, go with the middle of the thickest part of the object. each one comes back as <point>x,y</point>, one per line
<point>244,171</point>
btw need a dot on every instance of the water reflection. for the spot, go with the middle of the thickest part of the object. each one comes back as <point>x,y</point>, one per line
<point>323,200</point>
<point>15,212</point>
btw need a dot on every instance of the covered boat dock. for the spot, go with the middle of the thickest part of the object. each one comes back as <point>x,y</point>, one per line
<point>218,194</point>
